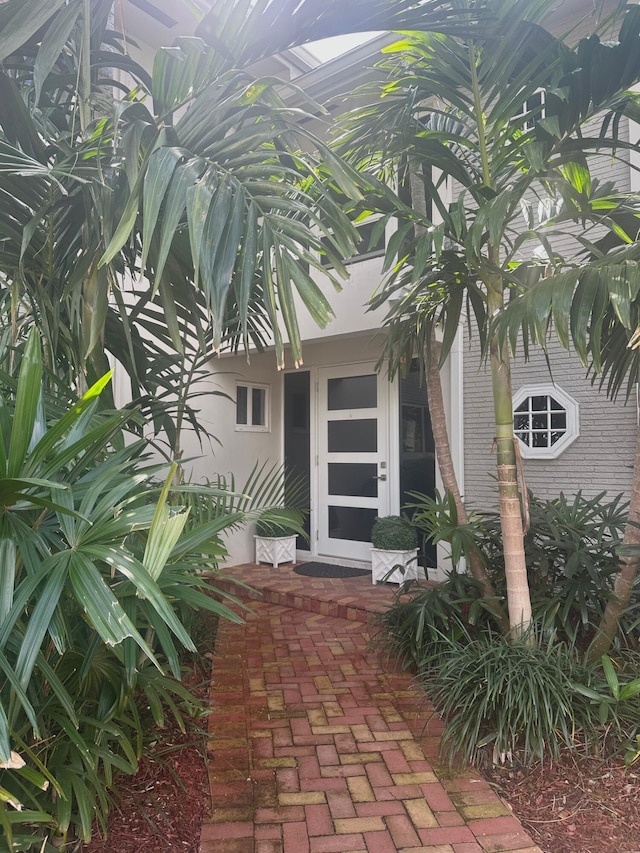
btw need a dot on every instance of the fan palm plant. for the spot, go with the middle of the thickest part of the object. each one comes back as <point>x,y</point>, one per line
<point>454,105</point>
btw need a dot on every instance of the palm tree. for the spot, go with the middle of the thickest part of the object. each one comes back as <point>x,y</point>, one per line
<point>500,121</point>
<point>593,307</point>
<point>178,213</point>
<point>214,217</point>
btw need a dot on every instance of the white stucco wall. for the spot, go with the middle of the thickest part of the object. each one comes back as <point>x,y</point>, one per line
<point>349,304</point>
<point>238,452</point>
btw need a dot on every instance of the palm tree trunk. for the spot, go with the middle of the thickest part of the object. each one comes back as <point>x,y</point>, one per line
<point>626,577</point>
<point>515,566</point>
<point>518,596</point>
<point>435,399</point>
<point>85,67</point>
<point>445,462</point>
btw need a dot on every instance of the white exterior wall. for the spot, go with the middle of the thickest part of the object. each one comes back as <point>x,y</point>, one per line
<point>349,304</point>
<point>230,451</point>
<point>238,452</point>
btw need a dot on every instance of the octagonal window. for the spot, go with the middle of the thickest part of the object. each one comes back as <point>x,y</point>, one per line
<point>545,420</point>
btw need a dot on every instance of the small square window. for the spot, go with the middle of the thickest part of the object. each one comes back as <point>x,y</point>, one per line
<point>252,408</point>
<point>531,111</point>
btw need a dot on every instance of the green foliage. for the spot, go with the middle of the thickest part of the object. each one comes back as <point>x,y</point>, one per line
<point>522,699</point>
<point>616,702</point>
<point>420,620</point>
<point>572,559</point>
<point>467,126</point>
<point>529,223</point>
<point>572,550</point>
<point>394,533</point>
<point>437,518</point>
<point>268,29</point>
<point>509,699</point>
<point>268,527</point>
<point>99,577</point>
<point>196,178</point>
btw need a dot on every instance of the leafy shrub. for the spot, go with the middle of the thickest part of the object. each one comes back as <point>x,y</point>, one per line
<point>394,533</point>
<point>421,619</point>
<point>616,699</point>
<point>572,552</point>
<point>437,518</point>
<point>572,559</point>
<point>504,699</point>
<point>99,575</point>
<point>522,699</point>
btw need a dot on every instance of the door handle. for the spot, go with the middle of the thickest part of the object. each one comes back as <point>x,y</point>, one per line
<point>380,477</point>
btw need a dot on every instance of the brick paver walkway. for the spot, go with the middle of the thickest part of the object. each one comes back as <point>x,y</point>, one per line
<point>349,598</point>
<point>316,749</point>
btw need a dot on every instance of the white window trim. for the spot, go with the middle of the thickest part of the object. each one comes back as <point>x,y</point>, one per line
<point>249,427</point>
<point>364,256</point>
<point>571,408</point>
<point>525,110</point>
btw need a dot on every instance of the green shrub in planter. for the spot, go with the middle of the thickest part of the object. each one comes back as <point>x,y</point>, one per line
<point>394,533</point>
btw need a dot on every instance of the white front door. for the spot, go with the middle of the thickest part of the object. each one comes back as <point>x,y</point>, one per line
<point>353,457</point>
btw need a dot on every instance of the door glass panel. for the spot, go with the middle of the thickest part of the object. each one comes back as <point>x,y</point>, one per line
<point>297,446</point>
<point>351,522</point>
<point>353,392</point>
<point>353,436</point>
<point>353,478</point>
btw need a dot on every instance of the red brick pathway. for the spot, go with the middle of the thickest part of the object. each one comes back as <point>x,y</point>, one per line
<point>349,598</point>
<point>315,749</point>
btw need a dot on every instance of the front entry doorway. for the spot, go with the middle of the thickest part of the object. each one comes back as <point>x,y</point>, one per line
<point>352,458</point>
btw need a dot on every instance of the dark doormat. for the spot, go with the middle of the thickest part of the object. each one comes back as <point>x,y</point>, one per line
<point>327,570</point>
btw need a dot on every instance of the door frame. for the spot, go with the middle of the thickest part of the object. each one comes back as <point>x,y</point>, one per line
<point>388,407</point>
<point>452,381</point>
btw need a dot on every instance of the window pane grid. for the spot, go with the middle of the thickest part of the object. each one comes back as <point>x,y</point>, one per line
<point>540,421</point>
<point>252,408</point>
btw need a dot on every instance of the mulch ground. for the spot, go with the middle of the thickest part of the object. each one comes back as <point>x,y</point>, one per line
<point>576,804</point>
<point>161,808</point>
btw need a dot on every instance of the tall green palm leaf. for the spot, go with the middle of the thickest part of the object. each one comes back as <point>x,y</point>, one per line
<point>219,209</point>
<point>245,31</point>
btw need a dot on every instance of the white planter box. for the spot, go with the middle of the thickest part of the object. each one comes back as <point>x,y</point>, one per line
<point>275,549</point>
<point>382,563</point>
